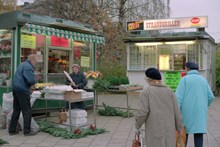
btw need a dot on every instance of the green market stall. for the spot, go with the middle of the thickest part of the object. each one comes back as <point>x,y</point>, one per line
<point>58,44</point>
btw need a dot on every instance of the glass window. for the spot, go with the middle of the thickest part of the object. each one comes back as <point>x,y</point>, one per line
<point>58,61</point>
<point>135,57</point>
<point>82,55</point>
<point>193,53</point>
<point>34,44</point>
<point>149,55</point>
<point>179,56</point>
<point>5,57</point>
<point>165,57</point>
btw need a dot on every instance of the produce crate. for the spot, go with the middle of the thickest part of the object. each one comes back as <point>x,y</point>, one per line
<point>72,95</point>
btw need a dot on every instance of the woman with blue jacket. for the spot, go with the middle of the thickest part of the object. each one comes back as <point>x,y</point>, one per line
<point>194,96</point>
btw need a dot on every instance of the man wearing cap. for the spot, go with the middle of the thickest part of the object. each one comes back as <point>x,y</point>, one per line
<point>194,96</point>
<point>80,82</point>
<point>158,109</point>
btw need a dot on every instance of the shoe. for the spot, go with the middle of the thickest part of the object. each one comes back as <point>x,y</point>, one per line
<point>13,133</point>
<point>30,134</point>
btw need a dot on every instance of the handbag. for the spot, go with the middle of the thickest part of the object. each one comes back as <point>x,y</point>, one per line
<point>136,142</point>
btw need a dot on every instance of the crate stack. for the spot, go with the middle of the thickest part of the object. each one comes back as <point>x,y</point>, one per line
<point>78,118</point>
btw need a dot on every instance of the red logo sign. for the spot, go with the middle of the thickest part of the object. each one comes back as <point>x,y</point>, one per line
<point>195,20</point>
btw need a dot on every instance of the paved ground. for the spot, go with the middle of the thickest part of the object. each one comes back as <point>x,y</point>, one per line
<point>120,129</point>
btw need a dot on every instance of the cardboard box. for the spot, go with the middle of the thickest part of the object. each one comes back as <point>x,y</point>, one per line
<point>73,95</point>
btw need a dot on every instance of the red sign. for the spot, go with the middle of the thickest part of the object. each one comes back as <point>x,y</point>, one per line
<point>135,25</point>
<point>58,41</point>
<point>40,39</point>
<point>195,20</point>
<point>77,52</point>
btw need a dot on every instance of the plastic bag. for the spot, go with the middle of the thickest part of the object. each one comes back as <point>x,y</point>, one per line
<point>2,119</point>
<point>7,103</point>
<point>34,126</point>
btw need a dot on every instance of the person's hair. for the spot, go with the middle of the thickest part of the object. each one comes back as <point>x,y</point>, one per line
<point>32,57</point>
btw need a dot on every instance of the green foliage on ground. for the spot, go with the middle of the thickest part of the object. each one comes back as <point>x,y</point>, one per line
<point>3,142</point>
<point>110,111</point>
<point>64,133</point>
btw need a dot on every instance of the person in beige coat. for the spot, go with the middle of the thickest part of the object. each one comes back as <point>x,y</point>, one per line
<point>159,110</point>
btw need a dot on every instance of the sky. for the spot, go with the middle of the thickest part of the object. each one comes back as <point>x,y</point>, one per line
<point>210,8</point>
<point>188,8</point>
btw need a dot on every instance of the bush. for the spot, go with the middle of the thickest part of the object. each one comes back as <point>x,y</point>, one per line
<point>101,85</point>
<point>113,70</point>
<point>114,80</point>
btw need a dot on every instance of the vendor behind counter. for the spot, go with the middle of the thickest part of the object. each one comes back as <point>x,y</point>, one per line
<point>80,82</point>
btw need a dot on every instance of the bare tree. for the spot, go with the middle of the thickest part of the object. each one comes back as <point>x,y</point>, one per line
<point>106,16</point>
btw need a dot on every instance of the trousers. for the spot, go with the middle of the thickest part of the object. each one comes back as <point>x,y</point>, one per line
<point>198,139</point>
<point>21,104</point>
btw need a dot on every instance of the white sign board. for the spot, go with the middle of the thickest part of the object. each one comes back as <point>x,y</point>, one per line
<point>176,23</point>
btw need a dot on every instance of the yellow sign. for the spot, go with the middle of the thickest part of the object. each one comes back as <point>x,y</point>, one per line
<point>85,61</point>
<point>28,41</point>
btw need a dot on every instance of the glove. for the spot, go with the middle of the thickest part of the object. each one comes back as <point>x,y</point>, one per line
<point>75,87</point>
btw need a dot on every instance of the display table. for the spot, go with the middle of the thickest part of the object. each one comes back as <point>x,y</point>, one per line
<point>125,89</point>
<point>83,98</point>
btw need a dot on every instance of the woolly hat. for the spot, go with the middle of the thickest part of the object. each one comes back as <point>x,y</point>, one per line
<point>153,73</point>
<point>75,65</point>
<point>192,66</point>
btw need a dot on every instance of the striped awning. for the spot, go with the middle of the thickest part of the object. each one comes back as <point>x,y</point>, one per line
<point>65,34</point>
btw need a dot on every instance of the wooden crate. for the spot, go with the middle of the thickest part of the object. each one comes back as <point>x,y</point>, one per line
<point>72,95</point>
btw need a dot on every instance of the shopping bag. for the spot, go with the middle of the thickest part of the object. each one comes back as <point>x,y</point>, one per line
<point>179,141</point>
<point>136,142</point>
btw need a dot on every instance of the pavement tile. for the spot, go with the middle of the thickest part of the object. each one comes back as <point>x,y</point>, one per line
<point>81,144</point>
<point>99,143</point>
<point>28,145</point>
<point>33,140</point>
<point>66,142</point>
<point>62,145</point>
<point>47,144</point>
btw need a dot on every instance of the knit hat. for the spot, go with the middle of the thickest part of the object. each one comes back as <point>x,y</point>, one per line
<point>192,65</point>
<point>75,65</point>
<point>153,73</point>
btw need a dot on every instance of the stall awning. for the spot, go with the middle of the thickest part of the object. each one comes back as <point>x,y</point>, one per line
<point>64,33</point>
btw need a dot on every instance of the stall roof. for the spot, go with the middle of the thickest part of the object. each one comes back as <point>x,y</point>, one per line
<point>11,19</point>
<point>143,36</point>
<point>50,26</point>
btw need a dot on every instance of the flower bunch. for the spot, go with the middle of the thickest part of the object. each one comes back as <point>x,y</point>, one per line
<point>92,74</point>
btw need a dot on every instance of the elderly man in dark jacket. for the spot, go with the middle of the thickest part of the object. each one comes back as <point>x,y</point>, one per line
<point>23,80</point>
